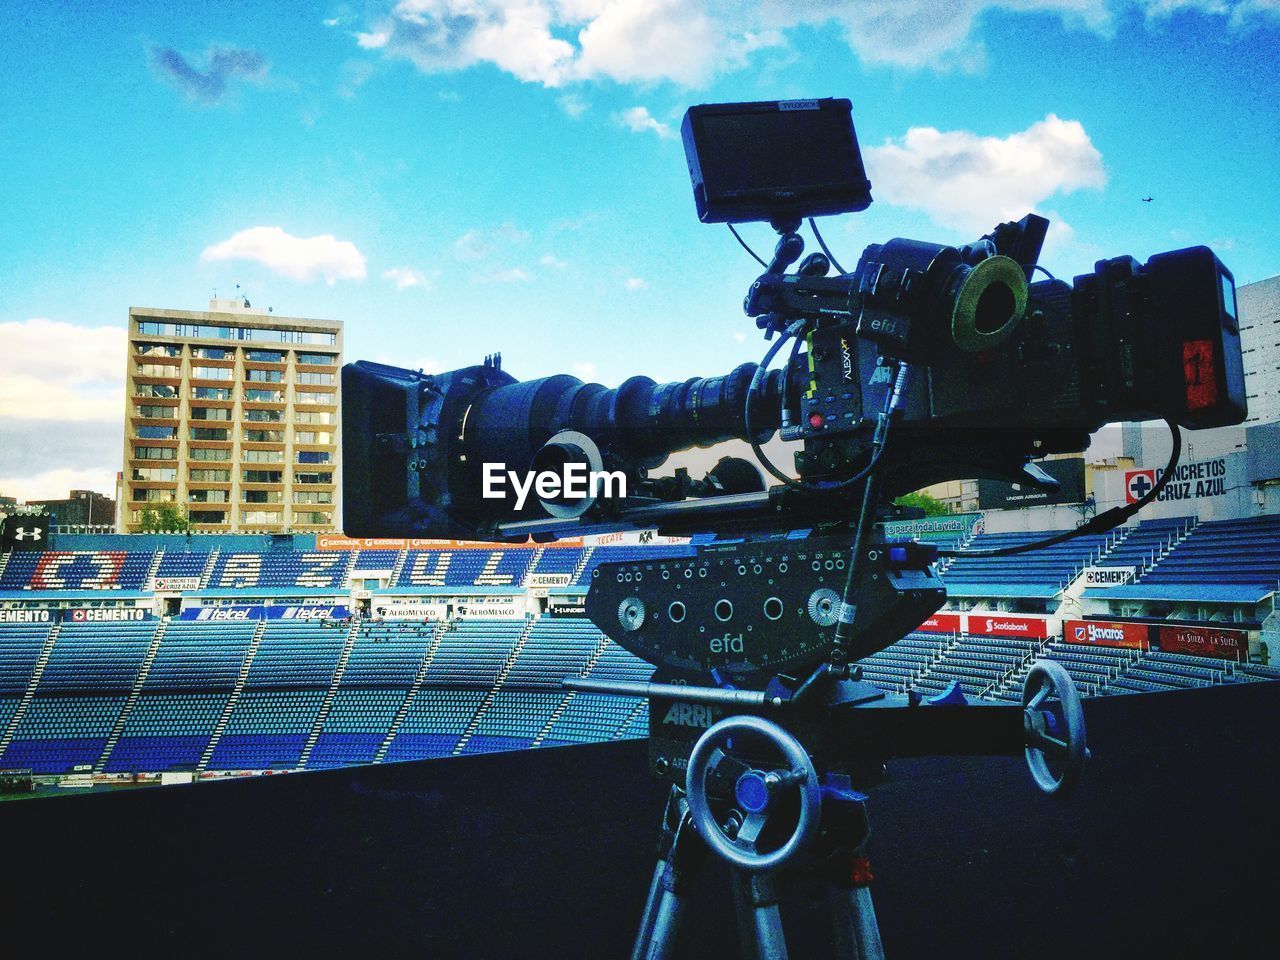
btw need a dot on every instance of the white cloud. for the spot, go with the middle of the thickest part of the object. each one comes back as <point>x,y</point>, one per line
<point>639,120</point>
<point>550,260</point>
<point>50,370</point>
<point>510,275</point>
<point>299,258</point>
<point>475,245</point>
<point>967,181</point>
<point>403,277</point>
<point>690,42</point>
<point>574,105</point>
<point>635,283</point>
<point>585,369</point>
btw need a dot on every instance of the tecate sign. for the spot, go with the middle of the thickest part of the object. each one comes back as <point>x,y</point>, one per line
<point>1107,633</point>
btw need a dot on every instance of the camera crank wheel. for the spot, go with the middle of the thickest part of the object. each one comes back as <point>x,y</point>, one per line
<point>1054,723</point>
<point>756,792</point>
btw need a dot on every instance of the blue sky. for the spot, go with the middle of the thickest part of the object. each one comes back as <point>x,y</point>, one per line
<point>451,178</point>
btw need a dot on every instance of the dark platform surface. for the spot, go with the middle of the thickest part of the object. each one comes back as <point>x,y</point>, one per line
<point>1169,848</point>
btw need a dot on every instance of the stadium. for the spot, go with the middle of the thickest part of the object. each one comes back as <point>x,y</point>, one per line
<point>327,652</point>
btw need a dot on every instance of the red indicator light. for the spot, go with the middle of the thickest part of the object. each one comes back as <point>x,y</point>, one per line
<point>816,420</point>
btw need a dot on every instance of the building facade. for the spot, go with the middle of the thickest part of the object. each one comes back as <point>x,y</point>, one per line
<point>1260,341</point>
<point>231,420</point>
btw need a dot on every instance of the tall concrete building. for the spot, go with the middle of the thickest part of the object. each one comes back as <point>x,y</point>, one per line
<point>232,418</point>
<point>1260,341</point>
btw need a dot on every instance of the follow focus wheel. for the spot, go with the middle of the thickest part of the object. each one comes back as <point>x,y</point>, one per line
<point>1053,720</point>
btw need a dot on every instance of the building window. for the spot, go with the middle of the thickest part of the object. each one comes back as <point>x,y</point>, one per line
<point>210,413</point>
<point>317,359</point>
<point>155,411</point>
<point>263,396</point>
<point>264,376</point>
<point>313,478</point>
<point>313,496</point>
<point>313,517</point>
<point>205,453</point>
<point>155,453</point>
<point>154,496</point>
<point>314,456</point>
<point>263,476</point>
<point>207,496</point>
<point>263,496</point>
<point>157,370</point>
<point>315,417</point>
<point>212,373</point>
<point>211,393</point>
<point>317,396</point>
<point>157,433</point>
<point>313,436</point>
<point>310,379</point>
<point>259,516</point>
<point>264,416</point>
<point>156,474</point>
<point>264,436</point>
<point>262,456</point>
<point>206,516</point>
<point>264,356</point>
<point>160,390</point>
<point>212,353</point>
<point>210,433</point>
<point>158,349</point>
<point>210,476</point>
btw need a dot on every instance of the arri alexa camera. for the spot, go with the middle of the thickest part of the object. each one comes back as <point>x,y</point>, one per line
<point>927,362</point>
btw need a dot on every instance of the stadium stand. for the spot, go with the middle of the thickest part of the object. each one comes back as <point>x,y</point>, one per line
<point>1040,573</point>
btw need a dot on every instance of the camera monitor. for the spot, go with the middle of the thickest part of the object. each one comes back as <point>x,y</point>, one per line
<point>777,160</point>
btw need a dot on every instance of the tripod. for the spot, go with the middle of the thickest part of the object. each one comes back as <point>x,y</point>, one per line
<point>833,851</point>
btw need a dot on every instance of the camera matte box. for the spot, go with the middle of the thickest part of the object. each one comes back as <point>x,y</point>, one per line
<point>774,160</point>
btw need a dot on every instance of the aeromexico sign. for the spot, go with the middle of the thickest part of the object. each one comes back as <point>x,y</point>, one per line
<point>268,612</point>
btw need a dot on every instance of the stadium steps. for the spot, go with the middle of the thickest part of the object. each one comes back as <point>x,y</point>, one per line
<point>533,565</point>
<point>143,671</point>
<point>29,694</point>
<point>149,581</point>
<point>1177,537</point>
<point>489,697</point>
<point>209,565</point>
<point>587,667</point>
<point>635,712</point>
<point>398,721</point>
<point>326,705</point>
<point>582,564</point>
<point>4,562</point>
<point>241,679</point>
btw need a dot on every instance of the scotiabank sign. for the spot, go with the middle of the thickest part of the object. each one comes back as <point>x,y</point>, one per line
<point>1107,633</point>
<point>1204,641</point>
<point>941,623</point>
<point>1008,625</point>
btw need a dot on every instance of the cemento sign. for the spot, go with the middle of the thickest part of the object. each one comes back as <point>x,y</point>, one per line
<point>1102,577</point>
<point>104,615</point>
<point>174,584</point>
<point>26,616</point>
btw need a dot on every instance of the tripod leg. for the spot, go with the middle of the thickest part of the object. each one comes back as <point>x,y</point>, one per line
<point>857,934</point>
<point>759,918</point>
<point>680,856</point>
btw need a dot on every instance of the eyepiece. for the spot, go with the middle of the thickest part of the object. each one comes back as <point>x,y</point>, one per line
<point>990,300</point>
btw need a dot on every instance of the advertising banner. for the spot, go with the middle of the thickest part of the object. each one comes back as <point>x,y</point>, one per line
<point>271,612</point>
<point>408,610</point>
<point>1008,625</point>
<point>550,579</point>
<point>1107,633</point>
<point>567,610</point>
<point>960,524</point>
<point>26,616</point>
<point>942,623</point>
<point>105,615</point>
<point>24,533</point>
<point>1204,641</point>
<point>174,584</point>
<point>333,541</point>
<point>1102,577</point>
<point>1001,495</point>
<point>489,610</point>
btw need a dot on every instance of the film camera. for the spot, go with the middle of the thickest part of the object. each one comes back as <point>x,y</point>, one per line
<point>927,362</point>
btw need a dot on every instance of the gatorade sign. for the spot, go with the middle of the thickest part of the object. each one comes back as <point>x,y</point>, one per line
<point>1107,633</point>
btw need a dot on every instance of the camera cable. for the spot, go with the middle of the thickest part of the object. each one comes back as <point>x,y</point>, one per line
<point>1103,522</point>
